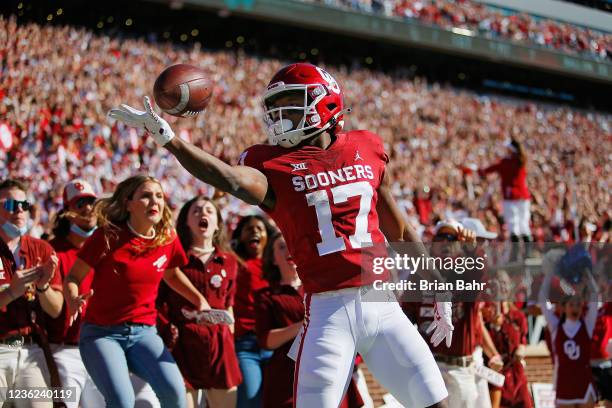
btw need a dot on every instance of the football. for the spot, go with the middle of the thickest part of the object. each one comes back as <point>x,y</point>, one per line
<point>182,90</point>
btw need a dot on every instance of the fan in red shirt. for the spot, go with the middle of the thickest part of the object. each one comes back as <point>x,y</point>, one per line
<point>76,222</point>
<point>72,226</point>
<point>513,172</point>
<point>280,315</point>
<point>205,354</point>
<point>249,240</point>
<point>28,286</point>
<point>508,329</point>
<point>601,358</point>
<point>134,248</point>
<point>456,361</point>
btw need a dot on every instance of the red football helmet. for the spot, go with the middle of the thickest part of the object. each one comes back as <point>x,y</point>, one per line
<point>322,107</point>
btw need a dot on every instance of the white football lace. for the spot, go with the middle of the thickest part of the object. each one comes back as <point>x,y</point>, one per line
<point>190,113</point>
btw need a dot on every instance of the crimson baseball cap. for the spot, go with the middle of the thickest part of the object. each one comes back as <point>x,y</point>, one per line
<point>76,189</point>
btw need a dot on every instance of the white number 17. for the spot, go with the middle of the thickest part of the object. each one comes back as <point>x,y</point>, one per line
<point>331,242</point>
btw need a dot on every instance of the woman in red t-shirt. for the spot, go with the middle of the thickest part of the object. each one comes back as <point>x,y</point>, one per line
<point>134,247</point>
<point>205,353</point>
<point>249,240</point>
<point>280,315</point>
<point>508,329</point>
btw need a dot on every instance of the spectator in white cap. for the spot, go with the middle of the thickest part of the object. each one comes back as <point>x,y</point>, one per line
<point>456,362</point>
<point>76,221</point>
<point>482,236</point>
<point>73,224</point>
<point>479,229</point>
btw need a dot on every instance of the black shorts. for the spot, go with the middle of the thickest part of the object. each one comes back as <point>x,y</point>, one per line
<point>602,375</point>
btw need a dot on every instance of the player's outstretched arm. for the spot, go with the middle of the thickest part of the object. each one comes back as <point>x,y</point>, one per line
<point>246,183</point>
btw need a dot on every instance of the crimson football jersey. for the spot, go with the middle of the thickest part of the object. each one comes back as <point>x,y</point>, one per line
<point>326,206</point>
<point>513,178</point>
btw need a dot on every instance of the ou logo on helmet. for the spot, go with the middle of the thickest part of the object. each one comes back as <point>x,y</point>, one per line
<point>333,85</point>
<point>571,349</point>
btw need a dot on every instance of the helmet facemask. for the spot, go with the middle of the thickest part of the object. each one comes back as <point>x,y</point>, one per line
<point>283,131</point>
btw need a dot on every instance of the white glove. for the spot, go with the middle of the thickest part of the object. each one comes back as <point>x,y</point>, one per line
<point>442,324</point>
<point>148,120</point>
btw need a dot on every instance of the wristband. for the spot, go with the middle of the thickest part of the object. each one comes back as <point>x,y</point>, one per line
<point>44,288</point>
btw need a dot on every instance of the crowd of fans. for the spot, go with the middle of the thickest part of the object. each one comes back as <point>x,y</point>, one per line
<point>488,21</point>
<point>54,128</point>
<point>54,101</point>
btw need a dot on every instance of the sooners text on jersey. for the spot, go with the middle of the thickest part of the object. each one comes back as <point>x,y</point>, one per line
<point>326,206</point>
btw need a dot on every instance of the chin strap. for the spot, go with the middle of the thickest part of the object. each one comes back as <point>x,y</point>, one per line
<point>328,126</point>
<point>334,120</point>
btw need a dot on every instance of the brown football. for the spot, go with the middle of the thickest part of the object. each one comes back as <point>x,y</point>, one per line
<point>182,90</point>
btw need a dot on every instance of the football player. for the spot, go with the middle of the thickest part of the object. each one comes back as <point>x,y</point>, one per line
<point>327,190</point>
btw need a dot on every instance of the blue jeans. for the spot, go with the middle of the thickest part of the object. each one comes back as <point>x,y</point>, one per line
<point>252,360</point>
<point>110,353</point>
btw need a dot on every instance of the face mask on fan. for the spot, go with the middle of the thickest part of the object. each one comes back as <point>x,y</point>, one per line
<point>14,231</point>
<point>81,232</point>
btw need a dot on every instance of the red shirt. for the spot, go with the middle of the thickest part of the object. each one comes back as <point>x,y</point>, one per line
<point>602,332</point>
<point>216,280</point>
<point>205,354</point>
<point>519,321</point>
<point>326,206</point>
<point>249,281</point>
<point>126,280</point>
<point>507,339</point>
<point>513,178</point>
<point>58,329</point>
<point>16,317</point>
<point>278,306</point>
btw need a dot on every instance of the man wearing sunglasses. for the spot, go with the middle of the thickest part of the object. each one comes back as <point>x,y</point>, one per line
<point>28,286</point>
<point>452,239</point>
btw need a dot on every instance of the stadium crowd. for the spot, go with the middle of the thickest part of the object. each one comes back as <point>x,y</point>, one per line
<point>55,131</point>
<point>489,21</point>
<point>54,101</point>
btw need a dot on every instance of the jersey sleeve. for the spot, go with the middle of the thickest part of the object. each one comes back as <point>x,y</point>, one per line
<point>178,258</point>
<point>378,147</point>
<point>46,250</point>
<point>376,144</point>
<point>494,168</point>
<point>56,280</point>
<point>93,250</point>
<point>254,157</point>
